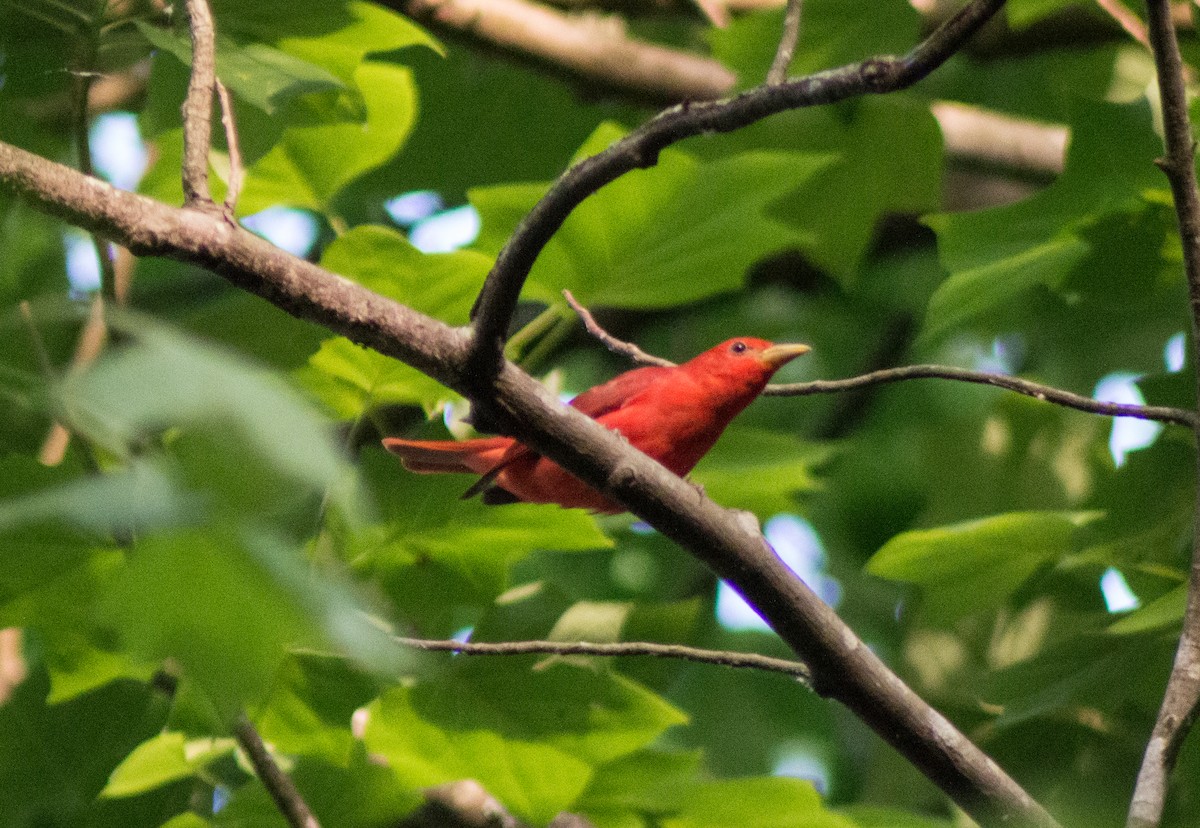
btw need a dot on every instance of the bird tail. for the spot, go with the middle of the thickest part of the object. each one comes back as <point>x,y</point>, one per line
<point>463,456</point>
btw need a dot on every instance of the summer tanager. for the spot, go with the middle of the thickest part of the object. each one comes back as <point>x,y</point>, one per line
<point>675,415</point>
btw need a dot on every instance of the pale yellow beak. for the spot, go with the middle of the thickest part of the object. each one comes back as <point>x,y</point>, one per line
<point>779,355</point>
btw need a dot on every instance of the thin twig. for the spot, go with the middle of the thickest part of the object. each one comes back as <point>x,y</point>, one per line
<point>237,172</point>
<point>723,658</point>
<point>1182,696</point>
<point>197,106</point>
<point>1163,414</point>
<point>639,149</point>
<point>787,43</point>
<point>1046,393</point>
<point>617,346</point>
<point>1127,20</point>
<point>287,798</point>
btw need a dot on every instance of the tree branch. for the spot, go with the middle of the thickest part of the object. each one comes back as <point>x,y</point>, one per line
<point>593,49</point>
<point>1182,697</point>
<point>843,667</point>
<point>237,172</point>
<point>639,149</point>
<point>787,42</point>
<point>287,798</point>
<point>197,107</point>
<point>1046,393</point>
<point>723,658</point>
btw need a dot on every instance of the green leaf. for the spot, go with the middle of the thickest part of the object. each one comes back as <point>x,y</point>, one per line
<point>361,794</point>
<point>55,759</point>
<point>535,758</point>
<point>229,609</point>
<point>874,816</point>
<point>437,550</point>
<point>645,783</point>
<point>835,32</point>
<point>311,705</point>
<point>995,255</point>
<point>76,665</point>
<point>641,242</point>
<point>163,759</point>
<point>975,566</point>
<point>1021,13</point>
<point>302,171</point>
<point>352,380</point>
<point>775,802</point>
<point>335,35</point>
<point>230,407</point>
<point>261,75</point>
<point>442,285</point>
<point>1164,611</point>
<point>759,470</point>
<point>967,294</point>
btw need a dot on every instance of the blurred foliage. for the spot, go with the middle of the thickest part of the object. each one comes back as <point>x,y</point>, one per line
<point>225,533</point>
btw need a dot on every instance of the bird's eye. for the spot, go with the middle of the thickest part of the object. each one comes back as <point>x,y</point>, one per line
<point>738,347</point>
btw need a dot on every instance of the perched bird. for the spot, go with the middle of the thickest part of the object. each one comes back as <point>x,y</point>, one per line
<point>674,415</point>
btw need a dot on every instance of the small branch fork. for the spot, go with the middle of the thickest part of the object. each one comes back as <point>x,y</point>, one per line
<point>1163,414</point>
<point>1182,697</point>
<point>497,301</point>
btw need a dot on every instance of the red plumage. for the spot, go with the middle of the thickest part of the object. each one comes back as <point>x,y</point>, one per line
<point>674,415</point>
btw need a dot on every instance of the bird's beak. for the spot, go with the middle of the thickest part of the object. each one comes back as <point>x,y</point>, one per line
<point>779,355</point>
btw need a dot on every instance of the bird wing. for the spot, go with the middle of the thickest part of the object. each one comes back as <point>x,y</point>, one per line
<point>618,391</point>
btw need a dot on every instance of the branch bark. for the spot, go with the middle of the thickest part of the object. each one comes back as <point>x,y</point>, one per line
<point>283,791</point>
<point>197,107</point>
<point>593,49</point>
<point>843,667</point>
<point>1181,701</point>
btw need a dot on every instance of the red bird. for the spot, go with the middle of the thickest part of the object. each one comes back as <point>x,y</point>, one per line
<point>675,415</point>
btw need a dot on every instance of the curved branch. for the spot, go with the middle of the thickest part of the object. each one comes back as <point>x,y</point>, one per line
<point>639,149</point>
<point>722,658</point>
<point>1047,393</point>
<point>1181,701</point>
<point>843,667</point>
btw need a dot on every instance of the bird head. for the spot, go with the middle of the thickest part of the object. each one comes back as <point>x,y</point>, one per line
<point>745,362</point>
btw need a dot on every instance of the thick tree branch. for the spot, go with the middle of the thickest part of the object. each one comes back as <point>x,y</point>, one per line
<point>722,658</point>
<point>593,49</point>
<point>1182,697</point>
<point>640,148</point>
<point>843,667</point>
<point>283,791</point>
